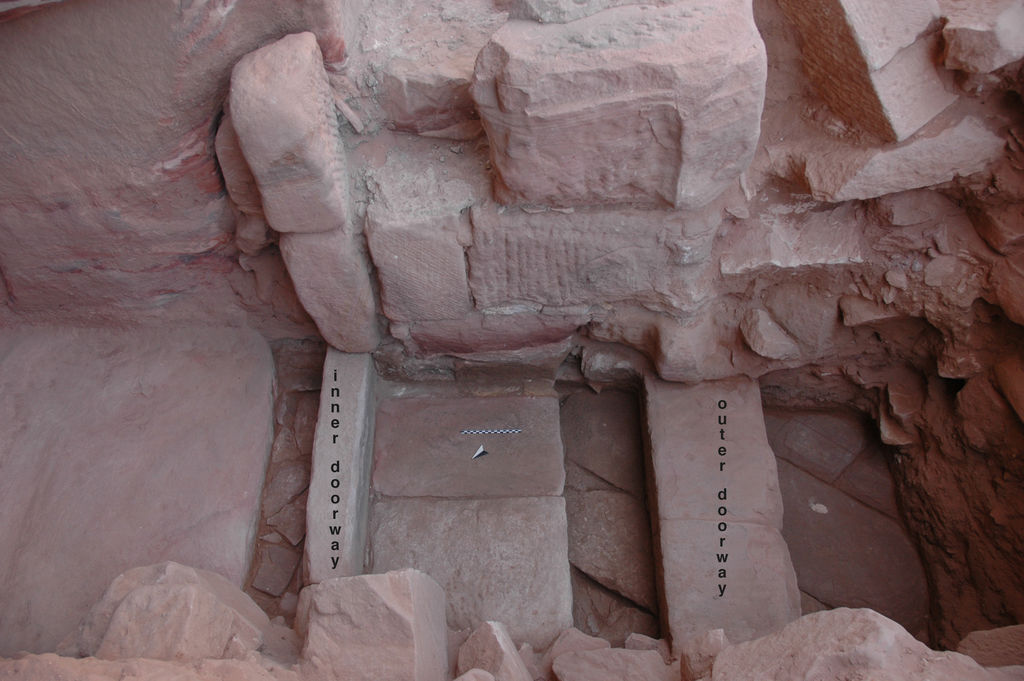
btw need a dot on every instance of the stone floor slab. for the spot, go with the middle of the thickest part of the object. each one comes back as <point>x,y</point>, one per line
<point>420,448</point>
<point>124,448</point>
<point>504,560</point>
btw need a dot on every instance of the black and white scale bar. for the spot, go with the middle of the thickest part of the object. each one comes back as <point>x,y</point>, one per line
<point>490,431</point>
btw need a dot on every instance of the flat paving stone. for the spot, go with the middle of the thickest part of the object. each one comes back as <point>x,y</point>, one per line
<point>505,560</point>
<point>420,449</point>
<point>124,448</point>
<point>823,443</point>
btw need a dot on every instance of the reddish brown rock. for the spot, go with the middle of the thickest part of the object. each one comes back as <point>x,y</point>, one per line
<point>601,433</point>
<point>422,97</point>
<point>767,338</point>
<point>820,442</point>
<point>489,648</point>
<point>929,159</point>
<point>605,614</point>
<point>698,654</point>
<point>238,180</point>
<point>844,644</point>
<point>627,105</point>
<point>141,485</point>
<point>374,626</point>
<point>48,667</point>
<point>490,555</point>
<point>867,62</point>
<point>420,449</point>
<point>1000,647</point>
<point>283,111</point>
<point>276,566</point>
<point>613,664</point>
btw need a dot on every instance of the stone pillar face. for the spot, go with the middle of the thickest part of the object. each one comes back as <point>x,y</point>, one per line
<point>337,507</point>
<point>717,511</point>
<point>374,627</point>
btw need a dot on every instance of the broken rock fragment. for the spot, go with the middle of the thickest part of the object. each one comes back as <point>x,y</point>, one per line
<point>373,627</point>
<point>614,664</point>
<point>641,104</point>
<point>981,37</point>
<point>491,649</point>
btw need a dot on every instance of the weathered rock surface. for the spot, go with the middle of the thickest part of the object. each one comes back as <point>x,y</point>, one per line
<point>624,106</point>
<point>867,62</point>
<point>603,613</point>
<point>49,666</point>
<point>571,640</point>
<point>698,654</point>
<point>1000,647</point>
<point>276,568</point>
<point>283,112</point>
<point>601,433</point>
<point>374,626</point>
<point>336,528</point>
<point>929,159</point>
<point>610,541</point>
<point>169,612</point>
<point>333,282</point>
<point>491,649</point>
<point>845,644</point>
<point>142,485</point>
<point>981,37</point>
<point>491,556</point>
<point>610,664</point>
<point>420,449</point>
<point>766,337</point>
<point>848,555</point>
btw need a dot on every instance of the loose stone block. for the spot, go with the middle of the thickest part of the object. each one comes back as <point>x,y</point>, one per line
<point>854,173</point>
<point>497,559</point>
<point>282,109</point>
<point>641,104</point>
<point>614,664</point>
<point>373,627</point>
<point>490,648</point>
<point>123,448</point>
<point>421,451</point>
<point>867,62</point>
<point>981,37</point>
<point>337,505</point>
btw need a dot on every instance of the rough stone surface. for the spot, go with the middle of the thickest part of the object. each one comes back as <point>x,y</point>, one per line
<point>601,612</point>
<point>1000,647</point>
<point>491,649</point>
<point>848,173</point>
<point>623,106</point>
<point>341,451</point>
<point>333,283</point>
<point>848,555</point>
<point>491,556</point>
<point>767,338</point>
<point>699,653</point>
<point>845,644</point>
<point>420,450</point>
<point>373,627</point>
<point>283,112</point>
<point>610,541</point>
<point>611,664</point>
<point>169,612</point>
<point>865,62</point>
<point>601,433</point>
<point>571,640</point>
<point>981,37</point>
<point>822,443</point>
<point>49,666</point>
<point>142,485</point>
<point>276,567</point>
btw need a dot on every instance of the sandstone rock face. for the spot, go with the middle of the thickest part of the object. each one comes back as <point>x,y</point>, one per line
<point>570,641</point>
<point>724,562</point>
<point>867,62</point>
<point>963,149</point>
<point>1000,647</point>
<point>141,484</point>
<point>982,37</point>
<point>338,503</point>
<point>490,555</point>
<point>601,434</point>
<point>699,653</point>
<point>604,613</point>
<point>843,643</point>
<point>50,666</point>
<point>170,612</point>
<point>283,112</point>
<point>489,648</point>
<point>624,106</point>
<point>374,626</point>
<point>420,449</point>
